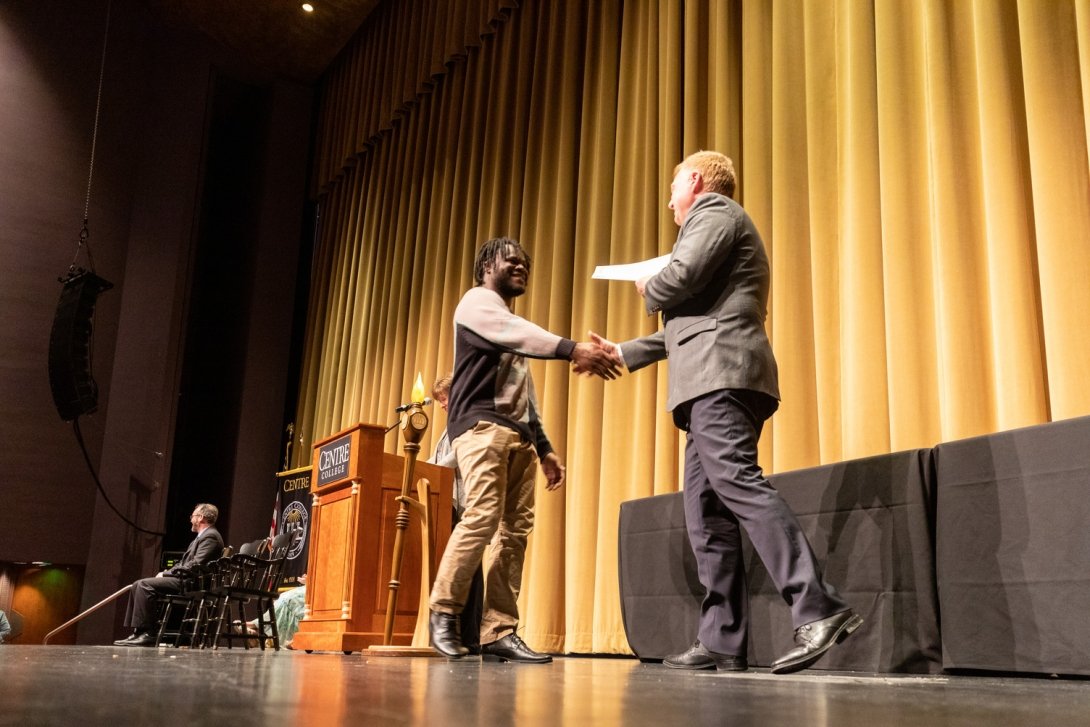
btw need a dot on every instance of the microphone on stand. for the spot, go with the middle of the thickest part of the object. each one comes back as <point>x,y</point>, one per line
<point>406,407</point>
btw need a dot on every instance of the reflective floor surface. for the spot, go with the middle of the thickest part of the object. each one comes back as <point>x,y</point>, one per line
<point>106,685</point>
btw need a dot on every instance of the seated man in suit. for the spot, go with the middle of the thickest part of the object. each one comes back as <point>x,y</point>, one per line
<point>142,613</point>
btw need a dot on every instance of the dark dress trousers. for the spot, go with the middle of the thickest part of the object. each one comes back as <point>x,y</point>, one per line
<point>722,386</point>
<point>141,613</point>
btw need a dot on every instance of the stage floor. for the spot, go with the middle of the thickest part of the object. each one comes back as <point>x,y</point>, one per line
<point>106,685</point>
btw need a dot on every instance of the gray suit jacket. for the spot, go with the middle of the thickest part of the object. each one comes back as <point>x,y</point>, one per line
<point>207,546</point>
<point>713,295</point>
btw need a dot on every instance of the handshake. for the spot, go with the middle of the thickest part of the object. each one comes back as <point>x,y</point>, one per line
<point>597,356</point>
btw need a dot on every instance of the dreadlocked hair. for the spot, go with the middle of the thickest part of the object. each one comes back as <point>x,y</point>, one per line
<point>486,255</point>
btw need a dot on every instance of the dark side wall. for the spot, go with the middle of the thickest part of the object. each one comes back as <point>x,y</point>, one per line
<point>184,269</point>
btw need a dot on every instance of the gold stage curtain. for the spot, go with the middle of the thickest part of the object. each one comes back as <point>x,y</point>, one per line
<point>918,170</point>
<point>397,56</point>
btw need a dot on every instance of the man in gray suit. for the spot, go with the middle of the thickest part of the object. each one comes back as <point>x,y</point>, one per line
<point>723,385</point>
<point>142,614</point>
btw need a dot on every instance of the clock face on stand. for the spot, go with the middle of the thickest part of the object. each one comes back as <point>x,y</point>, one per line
<point>415,421</point>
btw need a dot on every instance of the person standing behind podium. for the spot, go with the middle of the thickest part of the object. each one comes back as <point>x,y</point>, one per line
<point>142,613</point>
<point>723,385</point>
<point>444,454</point>
<point>470,620</point>
<point>498,439</point>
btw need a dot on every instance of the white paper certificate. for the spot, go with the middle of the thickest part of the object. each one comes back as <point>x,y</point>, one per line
<point>631,271</point>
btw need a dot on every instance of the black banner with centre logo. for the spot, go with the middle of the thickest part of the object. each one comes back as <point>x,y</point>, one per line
<point>292,515</point>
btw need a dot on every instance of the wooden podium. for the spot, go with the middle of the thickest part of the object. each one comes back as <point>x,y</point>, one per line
<point>354,485</point>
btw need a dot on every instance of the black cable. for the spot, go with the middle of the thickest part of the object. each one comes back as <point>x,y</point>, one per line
<point>98,483</point>
<point>98,113</point>
<point>85,234</point>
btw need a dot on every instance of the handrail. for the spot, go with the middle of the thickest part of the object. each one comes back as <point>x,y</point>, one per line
<point>88,612</point>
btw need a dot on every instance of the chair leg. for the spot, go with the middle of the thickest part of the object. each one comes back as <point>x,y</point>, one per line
<point>242,620</point>
<point>166,610</point>
<point>261,624</point>
<point>201,625</point>
<point>233,615</point>
<point>194,617</point>
<point>268,608</point>
<point>223,614</point>
<point>181,627</point>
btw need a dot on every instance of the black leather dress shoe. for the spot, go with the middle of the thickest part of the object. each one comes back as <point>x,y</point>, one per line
<point>700,657</point>
<point>125,641</point>
<point>444,635</point>
<point>144,639</point>
<point>814,639</point>
<point>512,648</point>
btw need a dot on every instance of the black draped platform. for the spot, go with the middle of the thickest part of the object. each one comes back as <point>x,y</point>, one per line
<point>1013,549</point>
<point>988,536</point>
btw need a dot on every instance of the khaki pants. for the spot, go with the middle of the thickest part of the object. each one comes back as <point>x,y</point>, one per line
<point>498,469</point>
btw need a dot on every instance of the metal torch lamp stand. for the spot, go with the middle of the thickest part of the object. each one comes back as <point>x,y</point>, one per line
<point>413,425</point>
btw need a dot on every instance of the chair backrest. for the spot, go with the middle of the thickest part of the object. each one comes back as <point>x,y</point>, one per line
<point>251,548</point>
<point>281,544</point>
<point>277,559</point>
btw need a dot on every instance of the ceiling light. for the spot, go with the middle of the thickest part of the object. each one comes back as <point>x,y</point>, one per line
<point>308,7</point>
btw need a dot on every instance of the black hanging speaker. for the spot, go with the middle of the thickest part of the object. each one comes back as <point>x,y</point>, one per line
<point>74,390</point>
